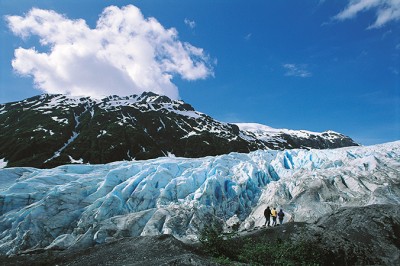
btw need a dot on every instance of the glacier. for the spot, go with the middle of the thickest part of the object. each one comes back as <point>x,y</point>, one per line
<point>77,206</point>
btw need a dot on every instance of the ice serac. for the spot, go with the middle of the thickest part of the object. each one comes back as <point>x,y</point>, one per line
<point>76,206</point>
<point>51,130</point>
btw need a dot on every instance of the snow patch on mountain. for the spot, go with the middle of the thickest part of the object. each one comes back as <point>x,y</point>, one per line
<point>147,102</point>
<point>48,102</point>
<point>3,163</point>
<point>83,205</point>
<point>60,120</point>
<point>75,134</point>
<point>102,133</point>
<point>40,128</point>
<point>2,111</point>
<point>267,133</point>
<point>80,161</point>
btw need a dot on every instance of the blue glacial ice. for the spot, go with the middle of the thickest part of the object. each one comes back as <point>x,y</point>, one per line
<point>76,206</point>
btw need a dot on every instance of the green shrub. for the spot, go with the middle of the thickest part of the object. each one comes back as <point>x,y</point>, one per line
<point>282,253</point>
<point>226,248</point>
<point>216,242</point>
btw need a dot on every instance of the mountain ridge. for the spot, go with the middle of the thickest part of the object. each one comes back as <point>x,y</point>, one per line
<point>50,130</point>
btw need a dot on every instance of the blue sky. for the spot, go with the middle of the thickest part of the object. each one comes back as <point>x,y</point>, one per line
<point>314,65</point>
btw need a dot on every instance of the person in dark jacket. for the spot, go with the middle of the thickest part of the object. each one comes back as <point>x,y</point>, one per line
<point>280,216</point>
<point>267,215</point>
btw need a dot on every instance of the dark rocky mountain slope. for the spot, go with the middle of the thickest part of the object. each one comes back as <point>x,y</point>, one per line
<point>51,130</point>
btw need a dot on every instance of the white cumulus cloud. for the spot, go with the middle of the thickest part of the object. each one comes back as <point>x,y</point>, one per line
<point>297,70</point>
<point>124,54</point>
<point>386,11</point>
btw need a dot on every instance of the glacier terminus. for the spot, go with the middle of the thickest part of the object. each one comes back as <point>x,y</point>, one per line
<point>78,206</point>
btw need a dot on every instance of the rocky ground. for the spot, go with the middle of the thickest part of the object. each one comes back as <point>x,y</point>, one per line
<point>351,236</point>
<point>149,250</point>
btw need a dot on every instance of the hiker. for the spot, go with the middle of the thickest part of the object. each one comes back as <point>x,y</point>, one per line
<point>267,215</point>
<point>273,214</point>
<point>280,216</point>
